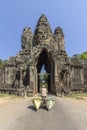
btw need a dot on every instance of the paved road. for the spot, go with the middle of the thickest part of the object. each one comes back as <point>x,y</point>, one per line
<point>66,115</point>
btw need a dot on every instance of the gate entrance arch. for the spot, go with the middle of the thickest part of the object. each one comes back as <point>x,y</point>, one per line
<point>45,59</point>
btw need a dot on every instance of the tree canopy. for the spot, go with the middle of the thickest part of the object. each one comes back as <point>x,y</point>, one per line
<point>2,63</point>
<point>82,56</point>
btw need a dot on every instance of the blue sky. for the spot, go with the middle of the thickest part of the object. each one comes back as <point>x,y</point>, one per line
<point>71,15</point>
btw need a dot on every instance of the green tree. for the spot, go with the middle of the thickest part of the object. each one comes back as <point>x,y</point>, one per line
<point>77,56</point>
<point>2,63</point>
<point>43,79</point>
<point>82,56</point>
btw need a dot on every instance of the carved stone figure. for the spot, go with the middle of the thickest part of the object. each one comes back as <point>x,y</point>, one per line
<point>59,38</point>
<point>43,33</point>
<point>26,38</point>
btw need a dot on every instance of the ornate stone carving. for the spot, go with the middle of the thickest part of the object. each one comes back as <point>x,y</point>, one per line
<point>26,39</point>
<point>59,39</point>
<point>44,48</point>
<point>43,33</point>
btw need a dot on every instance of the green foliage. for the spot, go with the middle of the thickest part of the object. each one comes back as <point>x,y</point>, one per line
<point>78,95</point>
<point>82,56</point>
<point>5,96</point>
<point>43,79</point>
<point>77,56</point>
<point>2,63</point>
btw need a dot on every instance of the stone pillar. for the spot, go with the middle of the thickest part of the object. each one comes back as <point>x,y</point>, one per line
<point>82,78</point>
<point>52,78</point>
<point>21,82</point>
<point>56,79</point>
<point>68,79</point>
<point>32,77</point>
<point>2,76</point>
<point>36,80</point>
<point>72,76</point>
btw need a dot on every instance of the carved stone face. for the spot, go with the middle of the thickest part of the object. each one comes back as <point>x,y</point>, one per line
<point>42,34</point>
<point>26,38</point>
<point>26,29</point>
<point>58,33</point>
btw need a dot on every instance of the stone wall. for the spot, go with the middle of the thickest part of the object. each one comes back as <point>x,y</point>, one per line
<point>2,76</point>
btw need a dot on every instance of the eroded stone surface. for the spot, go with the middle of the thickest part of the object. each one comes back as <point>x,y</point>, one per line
<point>21,73</point>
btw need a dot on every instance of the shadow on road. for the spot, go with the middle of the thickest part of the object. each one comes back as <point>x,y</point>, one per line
<point>34,109</point>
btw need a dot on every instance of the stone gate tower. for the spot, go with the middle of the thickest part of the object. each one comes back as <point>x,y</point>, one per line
<point>43,48</point>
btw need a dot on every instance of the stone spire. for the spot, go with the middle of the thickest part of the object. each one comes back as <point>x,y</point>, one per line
<point>59,39</point>
<point>26,39</point>
<point>43,33</point>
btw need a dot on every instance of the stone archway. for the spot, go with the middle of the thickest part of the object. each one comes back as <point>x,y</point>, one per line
<point>45,59</point>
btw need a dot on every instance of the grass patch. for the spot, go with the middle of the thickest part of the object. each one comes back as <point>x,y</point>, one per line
<point>8,96</point>
<point>78,95</point>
